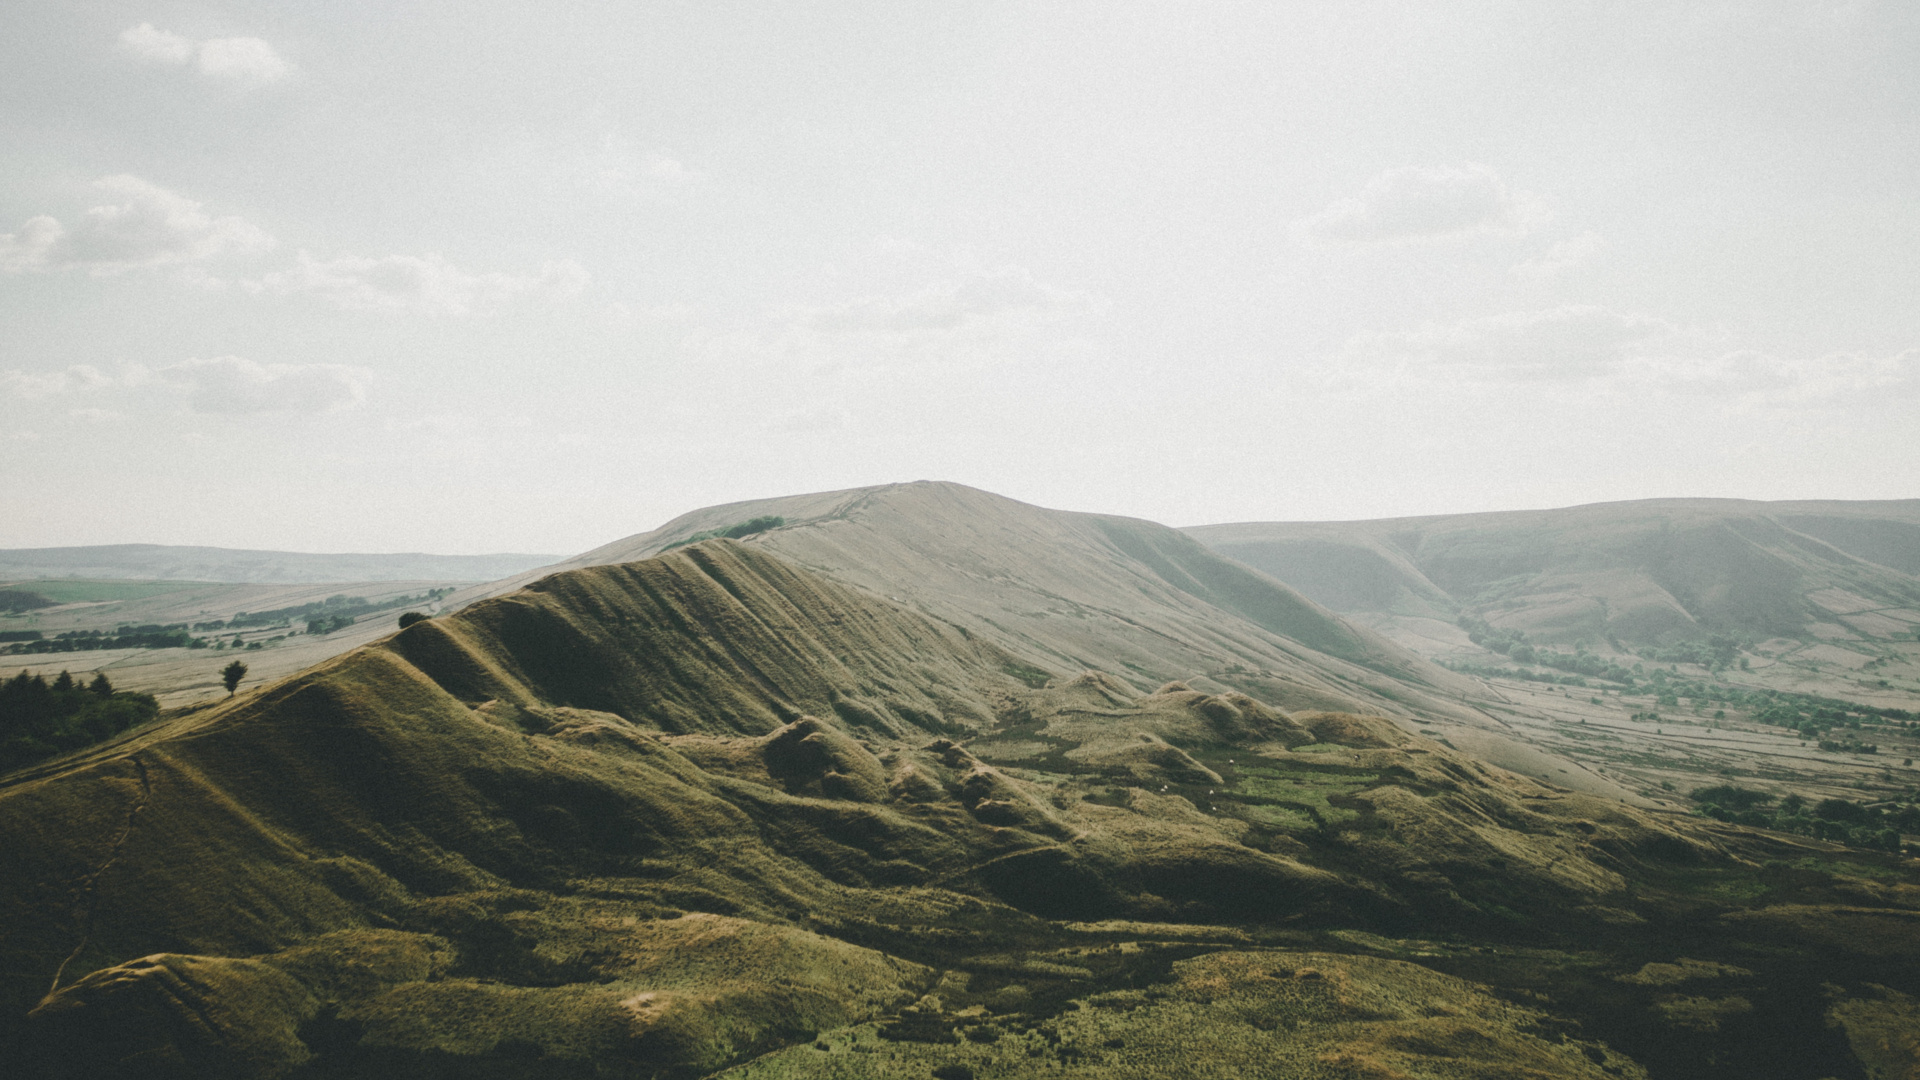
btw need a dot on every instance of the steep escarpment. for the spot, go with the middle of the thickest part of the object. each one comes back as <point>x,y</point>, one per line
<point>714,810</point>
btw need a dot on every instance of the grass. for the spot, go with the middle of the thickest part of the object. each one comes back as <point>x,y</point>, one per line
<point>74,591</point>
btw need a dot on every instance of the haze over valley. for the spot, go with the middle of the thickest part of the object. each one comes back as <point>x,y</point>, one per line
<point>1097,541</point>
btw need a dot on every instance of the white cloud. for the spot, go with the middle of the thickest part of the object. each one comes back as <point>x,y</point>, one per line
<point>1425,202</point>
<point>1760,380</point>
<point>236,385</point>
<point>1573,342</point>
<point>235,59</point>
<point>222,384</point>
<point>1607,350</point>
<point>1562,256</point>
<point>1010,294</point>
<point>241,59</point>
<point>143,225</point>
<point>428,284</point>
<point>159,46</point>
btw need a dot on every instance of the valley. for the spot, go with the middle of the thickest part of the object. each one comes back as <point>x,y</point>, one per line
<point>928,782</point>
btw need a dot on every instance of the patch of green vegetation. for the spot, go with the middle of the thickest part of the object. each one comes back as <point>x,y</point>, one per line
<point>735,531</point>
<point>1027,673</point>
<point>62,591</point>
<point>1296,797</point>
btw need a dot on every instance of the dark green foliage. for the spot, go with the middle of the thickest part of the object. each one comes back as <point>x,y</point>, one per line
<point>341,609</point>
<point>408,618</point>
<point>232,674</point>
<point>327,624</point>
<point>732,532</point>
<point>38,720</point>
<point>22,600</point>
<point>147,636</point>
<point>1727,795</point>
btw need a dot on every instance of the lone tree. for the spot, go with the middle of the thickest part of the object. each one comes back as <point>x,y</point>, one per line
<point>232,674</point>
<point>408,618</point>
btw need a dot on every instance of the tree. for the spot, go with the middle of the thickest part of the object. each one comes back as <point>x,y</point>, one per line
<point>232,675</point>
<point>408,618</point>
<point>100,685</point>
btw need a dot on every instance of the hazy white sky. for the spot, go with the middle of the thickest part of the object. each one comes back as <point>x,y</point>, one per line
<point>484,276</point>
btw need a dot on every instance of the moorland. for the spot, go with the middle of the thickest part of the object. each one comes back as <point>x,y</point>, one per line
<point>922,781</point>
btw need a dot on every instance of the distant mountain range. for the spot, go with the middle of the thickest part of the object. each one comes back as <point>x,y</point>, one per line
<point>1651,570</point>
<point>161,562</point>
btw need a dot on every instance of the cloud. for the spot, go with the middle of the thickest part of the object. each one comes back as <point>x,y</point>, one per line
<point>236,385</point>
<point>997,296</point>
<point>222,384</point>
<point>1562,256</point>
<point>1603,350</point>
<point>158,46</point>
<point>143,225</point>
<point>427,284</point>
<point>1573,342</point>
<point>243,59</point>
<point>1425,202</point>
<point>235,59</point>
<point>1759,380</point>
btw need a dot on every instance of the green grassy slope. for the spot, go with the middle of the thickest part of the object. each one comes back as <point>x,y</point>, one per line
<point>717,811</point>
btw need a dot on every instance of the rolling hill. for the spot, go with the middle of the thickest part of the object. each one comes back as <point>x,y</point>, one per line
<point>161,562</point>
<point>1638,572</point>
<point>894,789</point>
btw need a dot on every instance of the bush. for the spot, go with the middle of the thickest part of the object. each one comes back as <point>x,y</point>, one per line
<point>408,618</point>
<point>733,532</point>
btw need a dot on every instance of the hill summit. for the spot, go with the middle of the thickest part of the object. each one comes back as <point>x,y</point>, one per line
<point>896,788</point>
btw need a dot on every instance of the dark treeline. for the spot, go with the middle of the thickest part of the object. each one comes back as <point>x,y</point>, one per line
<point>1860,824</point>
<point>149,636</point>
<point>332,613</point>
<point>39,719</point>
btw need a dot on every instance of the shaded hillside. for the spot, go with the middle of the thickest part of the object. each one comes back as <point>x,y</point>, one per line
<point>1641,572</point>
<point>1076,591</point>
<point>716,811</point>
<point>162,562</point>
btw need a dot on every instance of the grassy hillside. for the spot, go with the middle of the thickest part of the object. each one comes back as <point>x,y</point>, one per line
<point>716,812</point>
<point>1077,591</point>
<point>1639,572</point>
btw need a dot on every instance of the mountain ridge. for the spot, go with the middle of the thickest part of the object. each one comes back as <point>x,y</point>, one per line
<point>1642,571</point>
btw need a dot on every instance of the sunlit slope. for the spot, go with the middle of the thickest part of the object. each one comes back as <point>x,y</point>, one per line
<point>663,818</point>
<point>1074,591</point>
<point>1639,571</point>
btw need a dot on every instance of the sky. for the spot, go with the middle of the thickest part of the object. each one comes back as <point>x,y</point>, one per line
<point>487,277</point>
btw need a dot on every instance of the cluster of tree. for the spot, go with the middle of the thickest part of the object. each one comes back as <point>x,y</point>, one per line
<point>1848,746</point>
<point>149,636</point>
<point>1840,820</point>
<point>733,532</point>
<point>333,608</point>
<point>327,624</point>
<point>1718,653</point>
<point>13,601</point>
<point>39,719</point>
